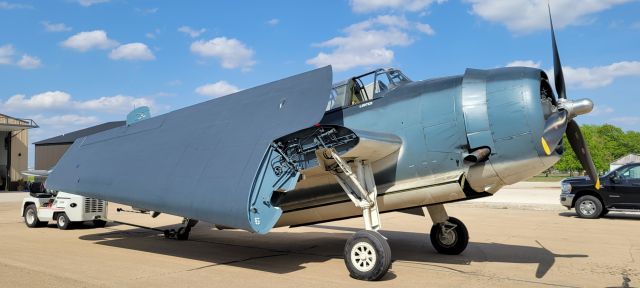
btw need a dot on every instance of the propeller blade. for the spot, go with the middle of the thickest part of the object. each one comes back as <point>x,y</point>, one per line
<point>557,66</point>
<point>579,146</point>
<point>554,129</point>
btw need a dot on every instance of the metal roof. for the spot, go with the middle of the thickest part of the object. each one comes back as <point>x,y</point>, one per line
<point>631,158</point>
<point>8,123</point>
<point>68,138</point>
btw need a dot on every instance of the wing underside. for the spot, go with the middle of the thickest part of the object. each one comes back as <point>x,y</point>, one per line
<point>208,161</point>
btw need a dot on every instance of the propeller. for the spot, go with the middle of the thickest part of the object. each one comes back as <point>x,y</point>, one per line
<point>561,121</point>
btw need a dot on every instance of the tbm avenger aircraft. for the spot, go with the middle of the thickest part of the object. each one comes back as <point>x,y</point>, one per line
<point>279,155</point>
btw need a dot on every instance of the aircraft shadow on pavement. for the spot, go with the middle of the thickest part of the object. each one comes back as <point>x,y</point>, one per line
<point>610,216</point>
<point>285,252</point>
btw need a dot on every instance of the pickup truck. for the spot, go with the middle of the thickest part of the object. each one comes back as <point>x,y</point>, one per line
<point>619,191</point>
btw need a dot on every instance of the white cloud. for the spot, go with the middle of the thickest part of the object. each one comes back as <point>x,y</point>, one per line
<point>524,63</point>
<point>55,27</point>
<point>273,22</point>
<point>4,5</point>
<point>191,32</point>
<point>6,53</point>
<point>601,110</point>
<point>61,101</point>
<point>364,6</point>
<point>231,52</point>
<point>425,28</point>
<point>365,44</point>
<point>597,77</point>
<point>523,16</point>
<point>132,51</point>
<point>630,120</point>
<point>218,89</point>
<point>65,121</point>
<point>85,41</point>
<point>46,100</point>
<point>87,3</point>
<point>114,104</point>
<point>29,62</point>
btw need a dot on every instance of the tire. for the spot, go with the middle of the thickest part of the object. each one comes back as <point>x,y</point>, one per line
<point>31,217</point>
<point>367,256</point>
<point>588,207</point>
<point>63,221</point>
<point>99,223</point>
<point>454,241</point>
<point>182,234</point>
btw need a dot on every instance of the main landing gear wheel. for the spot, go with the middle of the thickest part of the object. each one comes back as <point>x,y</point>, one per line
<point>450,237</point>
<point>31,217</point>
<point>63,221</point>
<point>367,255</point>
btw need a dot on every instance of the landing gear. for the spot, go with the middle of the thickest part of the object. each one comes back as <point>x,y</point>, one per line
<point>448,234</point>
<point>183,232</point>
<point>367,254</point>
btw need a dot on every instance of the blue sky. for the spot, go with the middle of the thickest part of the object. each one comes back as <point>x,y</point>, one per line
<point>72,64</point>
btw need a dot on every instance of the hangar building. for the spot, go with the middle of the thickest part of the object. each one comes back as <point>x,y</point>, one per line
<point>13,150</point>
<point>49,151</point>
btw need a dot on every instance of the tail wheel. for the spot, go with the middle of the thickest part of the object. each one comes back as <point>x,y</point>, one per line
<point>367,255</point>
<point>450,237</point>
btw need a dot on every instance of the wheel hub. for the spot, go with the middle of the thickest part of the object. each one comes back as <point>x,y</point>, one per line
<point>448,236</point>
<point>31,217</point>
<point>587,207</point>
<point>363,256</point>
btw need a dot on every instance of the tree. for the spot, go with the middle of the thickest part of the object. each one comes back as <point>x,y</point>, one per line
<point>606,144</point>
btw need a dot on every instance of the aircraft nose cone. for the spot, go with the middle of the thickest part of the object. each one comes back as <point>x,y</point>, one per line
<point>577,107</point>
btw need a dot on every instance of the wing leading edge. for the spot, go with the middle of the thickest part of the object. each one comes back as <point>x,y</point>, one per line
<point>204,161</point>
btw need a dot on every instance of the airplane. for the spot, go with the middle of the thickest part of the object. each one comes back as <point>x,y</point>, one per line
<point>279,155</point>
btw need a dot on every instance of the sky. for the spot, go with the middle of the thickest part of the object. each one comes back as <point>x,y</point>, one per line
<point>71,64</point>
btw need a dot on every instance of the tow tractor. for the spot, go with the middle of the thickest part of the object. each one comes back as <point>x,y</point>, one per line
<point>42,206</point>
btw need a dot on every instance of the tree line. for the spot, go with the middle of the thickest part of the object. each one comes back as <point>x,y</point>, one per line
<point>606,144</point>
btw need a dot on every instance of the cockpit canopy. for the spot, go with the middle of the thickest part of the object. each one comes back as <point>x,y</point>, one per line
<point>365,87</point>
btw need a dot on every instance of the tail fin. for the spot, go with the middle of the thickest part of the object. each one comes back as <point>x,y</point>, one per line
<point>138,114</point>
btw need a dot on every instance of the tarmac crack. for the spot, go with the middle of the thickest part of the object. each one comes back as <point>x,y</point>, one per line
<point>237,261</point>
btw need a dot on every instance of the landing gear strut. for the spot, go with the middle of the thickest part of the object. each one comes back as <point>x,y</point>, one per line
<point>183,232</point>
<point>448,234</point>
<point>367,254</point>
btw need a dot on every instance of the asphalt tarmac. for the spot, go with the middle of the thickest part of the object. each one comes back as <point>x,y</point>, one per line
<point>510,246</point>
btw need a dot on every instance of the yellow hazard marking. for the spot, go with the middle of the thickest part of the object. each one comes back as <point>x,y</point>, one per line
<point>545,146</point>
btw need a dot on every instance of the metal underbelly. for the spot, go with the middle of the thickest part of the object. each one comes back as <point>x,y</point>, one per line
<point>389,201</point>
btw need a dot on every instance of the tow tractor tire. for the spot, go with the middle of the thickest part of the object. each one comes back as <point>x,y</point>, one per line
<point>588,207</point>
<point>452,241</point>
<point>367,256</point>
<point>31,217</point>
<point>63,221</point>
<point>99,223</point>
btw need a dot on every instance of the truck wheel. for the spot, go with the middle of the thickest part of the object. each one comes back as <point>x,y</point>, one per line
<point>63,221</point>
<point>31,217</point>
<point>99,223</point>
<point>588,207</point>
